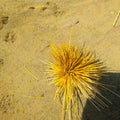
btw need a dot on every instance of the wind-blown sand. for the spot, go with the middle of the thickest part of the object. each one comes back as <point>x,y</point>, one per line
<point>26,29</point>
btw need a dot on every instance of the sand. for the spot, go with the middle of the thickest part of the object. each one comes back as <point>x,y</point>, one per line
<point>27,28</point>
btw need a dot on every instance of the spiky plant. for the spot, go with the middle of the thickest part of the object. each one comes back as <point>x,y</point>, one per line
<point>76,72</point>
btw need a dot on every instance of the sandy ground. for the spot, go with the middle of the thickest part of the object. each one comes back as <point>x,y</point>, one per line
<point>26,29</point>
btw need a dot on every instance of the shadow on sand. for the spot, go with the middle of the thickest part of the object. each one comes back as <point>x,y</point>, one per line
<point>113,111</point>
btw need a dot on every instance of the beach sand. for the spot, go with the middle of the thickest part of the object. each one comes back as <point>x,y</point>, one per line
<point>27,28</point>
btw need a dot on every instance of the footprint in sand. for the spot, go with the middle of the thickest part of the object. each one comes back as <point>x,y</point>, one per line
<point>10,37</point>
<point>1,61</point>
<point>3,21</point>
<point>6,102</point>
<point>49,8</point>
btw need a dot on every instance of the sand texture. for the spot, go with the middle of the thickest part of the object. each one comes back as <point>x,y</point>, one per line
<point>26,29</point>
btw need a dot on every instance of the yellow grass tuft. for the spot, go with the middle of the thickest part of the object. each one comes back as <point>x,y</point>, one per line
<point>76,72</point>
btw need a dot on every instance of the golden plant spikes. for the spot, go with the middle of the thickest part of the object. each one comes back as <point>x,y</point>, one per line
<point>76,72</point>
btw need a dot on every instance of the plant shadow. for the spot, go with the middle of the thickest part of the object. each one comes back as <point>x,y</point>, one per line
<point>113,111</point>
